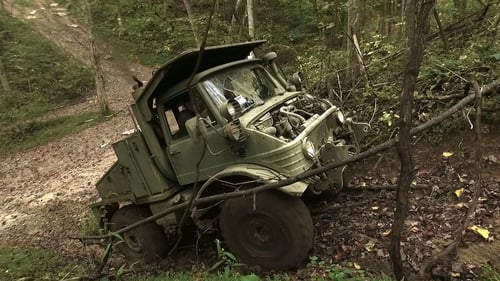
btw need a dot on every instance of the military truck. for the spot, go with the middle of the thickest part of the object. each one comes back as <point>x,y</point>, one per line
<point>225,123</point>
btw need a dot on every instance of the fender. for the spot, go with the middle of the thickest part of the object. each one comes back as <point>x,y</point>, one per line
<point>261,173</point>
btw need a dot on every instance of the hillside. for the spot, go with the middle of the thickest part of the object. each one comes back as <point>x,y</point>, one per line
<point>47,189</point>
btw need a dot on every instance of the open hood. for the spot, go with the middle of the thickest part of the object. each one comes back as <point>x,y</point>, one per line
<point>181,67</point>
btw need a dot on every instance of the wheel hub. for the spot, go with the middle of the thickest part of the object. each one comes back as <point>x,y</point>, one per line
<point>132,242</point>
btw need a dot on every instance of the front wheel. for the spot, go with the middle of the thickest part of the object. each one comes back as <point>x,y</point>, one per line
<point>272,230</point>
<point>146,243</point>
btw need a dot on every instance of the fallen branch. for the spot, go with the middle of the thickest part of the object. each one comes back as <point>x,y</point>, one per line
<point>274,185</point>
<point>386,187</point>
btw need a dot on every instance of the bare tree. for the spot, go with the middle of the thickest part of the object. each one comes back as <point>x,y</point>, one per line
<point>353,28</point>
<point>251,23</point>
<point>234,17</point>
<point>417,27</point>
<point>189,10</point>
<point>95,62</point>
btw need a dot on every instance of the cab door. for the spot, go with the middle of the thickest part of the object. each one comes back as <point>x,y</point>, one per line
<point>185,148</point>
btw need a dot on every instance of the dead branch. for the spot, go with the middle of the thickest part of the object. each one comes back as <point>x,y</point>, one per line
<point>274,185</point>
<point>459,233</point>
<point>386,187</point>
<point>440,98</point>
<point>441,32</point>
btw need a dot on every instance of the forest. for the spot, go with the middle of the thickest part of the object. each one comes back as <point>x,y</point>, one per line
<point>420,202</point>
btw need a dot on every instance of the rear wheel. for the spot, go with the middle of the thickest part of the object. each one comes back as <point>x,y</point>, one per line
<point>146,243</point>
<point>274,231</point>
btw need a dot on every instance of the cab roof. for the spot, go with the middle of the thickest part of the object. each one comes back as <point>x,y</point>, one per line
<point>181,67</point>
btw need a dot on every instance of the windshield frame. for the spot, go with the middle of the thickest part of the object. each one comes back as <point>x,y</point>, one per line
<point>213,84</point>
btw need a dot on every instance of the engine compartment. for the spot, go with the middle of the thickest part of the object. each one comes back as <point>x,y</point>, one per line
<point>287,120</point>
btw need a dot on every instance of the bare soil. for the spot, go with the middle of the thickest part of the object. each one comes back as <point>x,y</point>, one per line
<point>46,190</point>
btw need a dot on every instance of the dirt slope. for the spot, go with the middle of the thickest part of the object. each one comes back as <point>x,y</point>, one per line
<point>46,190</point>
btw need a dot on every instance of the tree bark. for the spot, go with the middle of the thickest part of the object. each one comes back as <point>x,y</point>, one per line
<point>95,62</point>
<point>189,12</point>
<point>417,27</point>
<point>251,23</point>
<point>234,17</point>
<point>441,31</point>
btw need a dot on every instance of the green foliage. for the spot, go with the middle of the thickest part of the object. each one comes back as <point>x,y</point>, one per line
<point>333,272</point>
<point>490,274</point>
<point>33,133</point>
<point>90,225</point>
<point>225,260</point>
<point>16,263</point>
<point>26,3</point>
<point>40,76</point>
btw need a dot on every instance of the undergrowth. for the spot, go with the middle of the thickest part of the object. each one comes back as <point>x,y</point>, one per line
<point>34,133</point>
<point>33,264</point>
<point>40,76</point>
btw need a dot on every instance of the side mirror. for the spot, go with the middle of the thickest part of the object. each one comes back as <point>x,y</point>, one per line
<point>297,80</point>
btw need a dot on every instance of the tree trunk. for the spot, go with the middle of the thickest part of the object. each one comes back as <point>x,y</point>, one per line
<point>251,25</point>
<point>417,27</point>
<point>234,17</point>
<point>95,62</point>
<point>353,30</point>
<point>189,11</point>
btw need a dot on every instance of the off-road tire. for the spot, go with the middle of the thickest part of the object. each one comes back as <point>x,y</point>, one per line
<point>276,234</point>
<point>146,243</point>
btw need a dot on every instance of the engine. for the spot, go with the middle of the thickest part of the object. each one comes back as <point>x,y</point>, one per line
<point>290,118</point>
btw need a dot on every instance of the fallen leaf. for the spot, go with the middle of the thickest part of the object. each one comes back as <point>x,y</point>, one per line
<point>369,246</point>
<point>459,192</point>
<point>357,266</point>
<point>485,233</point>
<point>386,233</point>
<point>455,274</point>
<point>447,154</point>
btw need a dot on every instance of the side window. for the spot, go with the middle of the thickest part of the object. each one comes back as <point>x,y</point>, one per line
<point>181,109</point>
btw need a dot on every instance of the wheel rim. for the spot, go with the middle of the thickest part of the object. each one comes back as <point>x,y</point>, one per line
<point>262,236</point>
<point>133,242</point>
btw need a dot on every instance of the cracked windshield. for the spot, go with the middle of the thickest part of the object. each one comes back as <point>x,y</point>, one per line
<point>253,84</point>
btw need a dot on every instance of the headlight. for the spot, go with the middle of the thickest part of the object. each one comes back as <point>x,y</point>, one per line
<point>234,131</point>
<point>340,117</point>
<point>308,149</point>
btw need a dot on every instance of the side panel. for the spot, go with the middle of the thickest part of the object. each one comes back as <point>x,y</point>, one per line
<point>139,173</point>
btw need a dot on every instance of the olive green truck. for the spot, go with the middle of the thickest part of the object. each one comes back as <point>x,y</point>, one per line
<point>218,122</point>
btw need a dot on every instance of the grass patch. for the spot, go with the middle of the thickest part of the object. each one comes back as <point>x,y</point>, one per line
<point>25,3</point>
<point>17,263</point>
<point>33,133</point>
<point>192,276</point>
<point>40,76</point>
<point>490,274</point>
